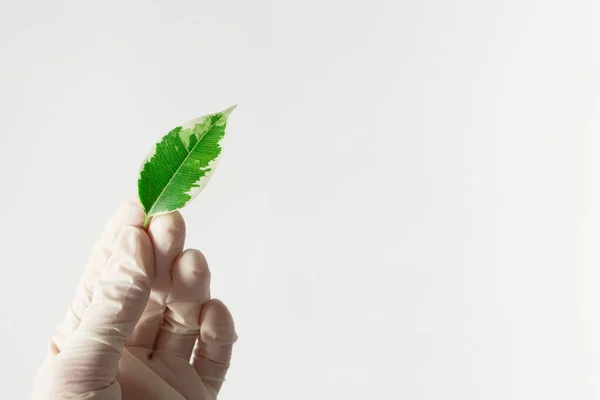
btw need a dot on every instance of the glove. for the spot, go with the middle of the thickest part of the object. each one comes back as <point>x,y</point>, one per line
<point>142,324</point>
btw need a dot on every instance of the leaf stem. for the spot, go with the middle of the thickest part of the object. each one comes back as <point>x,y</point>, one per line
<point>145,226</point>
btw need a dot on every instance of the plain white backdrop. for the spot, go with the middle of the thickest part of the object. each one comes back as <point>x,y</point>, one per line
<point>408,206</point>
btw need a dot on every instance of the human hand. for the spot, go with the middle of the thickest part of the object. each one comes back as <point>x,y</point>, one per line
<point>142,324</point>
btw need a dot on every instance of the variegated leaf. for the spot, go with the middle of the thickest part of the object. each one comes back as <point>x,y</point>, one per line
<point>181,164</point>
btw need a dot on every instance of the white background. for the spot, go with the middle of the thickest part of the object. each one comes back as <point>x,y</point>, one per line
<point>408,206</point>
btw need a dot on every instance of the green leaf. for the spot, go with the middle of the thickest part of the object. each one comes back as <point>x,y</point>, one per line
<point>181,164</point>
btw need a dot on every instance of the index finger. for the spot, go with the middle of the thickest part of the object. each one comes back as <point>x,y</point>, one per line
<point>129,213</point>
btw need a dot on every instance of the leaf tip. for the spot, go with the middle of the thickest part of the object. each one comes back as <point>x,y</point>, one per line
<point>229,110</point>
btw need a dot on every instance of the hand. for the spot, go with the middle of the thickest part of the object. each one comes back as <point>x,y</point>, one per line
<point>142,324</point>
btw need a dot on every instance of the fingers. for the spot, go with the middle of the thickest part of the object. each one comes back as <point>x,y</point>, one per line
<point>190,289</point>
<point>213,350</point>
<point>129,213</point>
<point>89,359</point>
<point>167,233</point>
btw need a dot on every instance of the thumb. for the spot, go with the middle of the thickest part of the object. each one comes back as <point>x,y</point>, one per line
<point>89,359</point>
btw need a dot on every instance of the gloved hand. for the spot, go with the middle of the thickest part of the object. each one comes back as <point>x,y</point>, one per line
<point>142,324</point>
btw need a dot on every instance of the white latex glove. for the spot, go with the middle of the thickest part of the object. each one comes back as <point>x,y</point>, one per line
<point>140,295</point>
